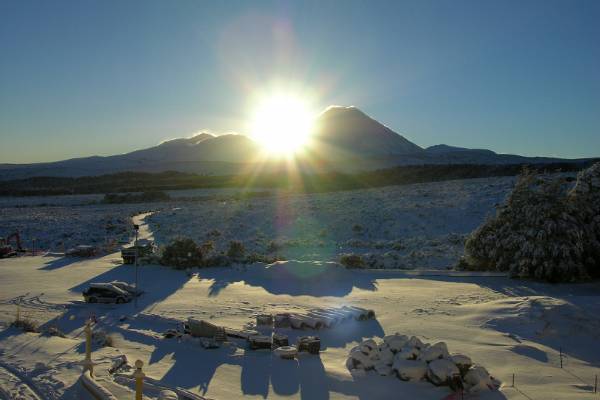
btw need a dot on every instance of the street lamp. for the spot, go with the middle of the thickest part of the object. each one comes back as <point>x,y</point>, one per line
<point>136,227</point>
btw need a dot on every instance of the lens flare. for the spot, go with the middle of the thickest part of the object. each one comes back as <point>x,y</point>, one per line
<point>282,124</point>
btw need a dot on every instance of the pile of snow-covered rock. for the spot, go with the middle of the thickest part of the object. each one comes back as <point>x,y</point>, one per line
<point>546,230</point>
<point>410,359</point>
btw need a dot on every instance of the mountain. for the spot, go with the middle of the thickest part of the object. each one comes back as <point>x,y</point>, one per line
<point>349,131</point>
<point>344,139</point>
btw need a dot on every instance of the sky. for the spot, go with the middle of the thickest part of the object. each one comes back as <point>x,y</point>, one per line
<point>81,77</point>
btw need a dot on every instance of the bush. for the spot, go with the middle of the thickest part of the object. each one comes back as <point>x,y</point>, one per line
<point>236,250</point>
<point>53,331</point>
<point>25,324</point>
<point>352,261</point>
<point>102,338</point>
<point>182,253</point>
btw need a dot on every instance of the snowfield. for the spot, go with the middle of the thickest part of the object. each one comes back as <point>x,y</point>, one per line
<point>406,227</point>
<point>510,327</point>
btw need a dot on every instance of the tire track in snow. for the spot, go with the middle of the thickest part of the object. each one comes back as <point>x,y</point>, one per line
<point>24,386</point>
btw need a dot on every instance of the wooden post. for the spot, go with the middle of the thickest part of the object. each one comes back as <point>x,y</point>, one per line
<point>139,380</point>
<point>561,356</point>
<point>513,381</point>
<point>87,363</point>
<point>596,384</point>
<point>18,312</point>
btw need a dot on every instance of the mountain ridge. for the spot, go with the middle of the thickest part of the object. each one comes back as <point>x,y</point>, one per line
<point>344,139</point>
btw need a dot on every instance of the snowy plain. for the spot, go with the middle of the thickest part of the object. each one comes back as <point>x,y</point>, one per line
<point>508,326</point>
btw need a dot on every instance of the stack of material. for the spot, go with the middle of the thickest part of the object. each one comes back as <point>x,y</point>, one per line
<point>544,231</point>
<point>320,317</point>
<point>260,342</point>
<point>280,340</point>
<point>264,320</point>
<point>311,344</point>
<point>412,360</point>
<point>201,328</point>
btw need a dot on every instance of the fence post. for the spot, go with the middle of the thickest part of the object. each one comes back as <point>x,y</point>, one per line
<point>139,379</point>
<point>596,384</point>
<point>18,312</point>
<point>87,363</point>
<point>513,381</point>
<point>561,356</point>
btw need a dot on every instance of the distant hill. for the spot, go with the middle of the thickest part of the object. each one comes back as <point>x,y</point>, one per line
<point>345,140</point>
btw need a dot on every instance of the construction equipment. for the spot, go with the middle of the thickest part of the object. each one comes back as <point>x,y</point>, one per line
<point>6,250</point>
<point>144,248</point>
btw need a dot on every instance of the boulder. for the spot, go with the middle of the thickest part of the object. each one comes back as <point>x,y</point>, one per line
<point>408,353</point>
<point>462,362</point>
<point>382,368</point>
<point>369,346</point>
<point>434,352</point>
<point>415,342</point>
<point>478,379</point>
<point>441,371</point>
<point>409,370</point>
<point>386,356</point>
<point>395,342</point>
<point>361,360</point>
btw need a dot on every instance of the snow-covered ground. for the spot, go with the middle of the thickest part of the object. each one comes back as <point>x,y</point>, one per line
<point>508,326</point>
<point>411,226</point>
<point>57,228</point>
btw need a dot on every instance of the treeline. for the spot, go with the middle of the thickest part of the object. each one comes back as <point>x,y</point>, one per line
<point>127,182</point>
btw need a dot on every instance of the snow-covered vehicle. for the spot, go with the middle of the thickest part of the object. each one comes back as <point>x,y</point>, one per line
<point>81,251</point>
<point>128,287</point>
<point>106,293</point>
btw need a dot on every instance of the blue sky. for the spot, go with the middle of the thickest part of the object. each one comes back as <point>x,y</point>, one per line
<point>82,77</point>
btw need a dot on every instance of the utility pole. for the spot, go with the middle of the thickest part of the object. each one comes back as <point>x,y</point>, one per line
<point>136,227</point>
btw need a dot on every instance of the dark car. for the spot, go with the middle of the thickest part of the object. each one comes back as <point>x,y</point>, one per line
<point>106,293</point>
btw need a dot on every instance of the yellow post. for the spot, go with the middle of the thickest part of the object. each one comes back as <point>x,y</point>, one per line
<point>139,379</point>
<point>88,365</point>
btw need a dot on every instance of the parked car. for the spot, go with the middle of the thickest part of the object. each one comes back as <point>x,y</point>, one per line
<point>106,293</point>
<point>81,251</point>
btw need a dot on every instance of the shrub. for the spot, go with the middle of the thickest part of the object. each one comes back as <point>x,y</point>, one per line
<point>352,261</point>
<point>53,331</point>
<point>236,250</point>
<point>25,324</point>
<point>102,338</point>
<point>182,253</point>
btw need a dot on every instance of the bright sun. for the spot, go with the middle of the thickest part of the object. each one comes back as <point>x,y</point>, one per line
<point>282,124</point>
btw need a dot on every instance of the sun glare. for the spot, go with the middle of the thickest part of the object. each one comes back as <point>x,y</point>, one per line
<point>282,124</point>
